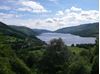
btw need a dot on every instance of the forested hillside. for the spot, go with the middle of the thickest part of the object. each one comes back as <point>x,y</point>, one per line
<point>25,30</point>
<point>12,42</point>
<point>87,30</point>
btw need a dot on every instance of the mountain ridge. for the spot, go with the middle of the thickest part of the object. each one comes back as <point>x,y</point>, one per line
<point>91,29</point>
<point>40,31</point>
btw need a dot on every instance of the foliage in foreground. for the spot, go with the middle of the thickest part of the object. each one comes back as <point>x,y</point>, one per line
<point>18,56</point>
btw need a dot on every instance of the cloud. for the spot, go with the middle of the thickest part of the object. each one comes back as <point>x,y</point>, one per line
<point>24,9</point>
<point>49,20</point>
<point>5,8</point>
<point>7,16</point>
<point>76,16</point>
<point>60,13</point>
<point>68,17</point>
<point>54,1</point>
<point>33,6</point>
<point>75,9</point>
<point>24,5</point>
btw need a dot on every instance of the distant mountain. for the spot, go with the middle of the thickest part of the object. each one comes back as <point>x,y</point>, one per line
<point>39,31</point>
<point>19,32</point>
<point>87,30</point>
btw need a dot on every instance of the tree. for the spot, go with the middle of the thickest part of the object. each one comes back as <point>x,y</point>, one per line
<point>77,67</point>
<point>72,45</point>
<point>95,67</point>
<point>55,57</point>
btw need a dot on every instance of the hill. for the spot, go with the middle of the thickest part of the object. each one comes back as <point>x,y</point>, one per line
<point>23,29</point>
<point>40,31</point>
<point>14,44</point>
<point>19,32</point>
<point>7,30</point>
<point>87,30</point>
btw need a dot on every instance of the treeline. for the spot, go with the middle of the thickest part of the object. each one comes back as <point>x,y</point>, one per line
<point>87,46</point>
<point>19,56</point>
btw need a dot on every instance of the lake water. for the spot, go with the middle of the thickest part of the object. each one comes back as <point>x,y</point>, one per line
<point>68,39</point>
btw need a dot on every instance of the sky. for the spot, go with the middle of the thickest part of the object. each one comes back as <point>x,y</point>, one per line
<point>49,14</point>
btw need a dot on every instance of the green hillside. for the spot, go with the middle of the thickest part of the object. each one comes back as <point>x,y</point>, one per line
<point>14,44</point>
<point>19,32</point>
<point>86,30</point>
<point>7,30</point>
<point>26,30</point>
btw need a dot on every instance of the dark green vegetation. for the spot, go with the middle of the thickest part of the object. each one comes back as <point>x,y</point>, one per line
<point>86,30</point>
<point>21,53</point>
<point>25,30</point>
<point>12,43</point>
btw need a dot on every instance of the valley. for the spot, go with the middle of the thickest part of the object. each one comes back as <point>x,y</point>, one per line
<point>22,51</point>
